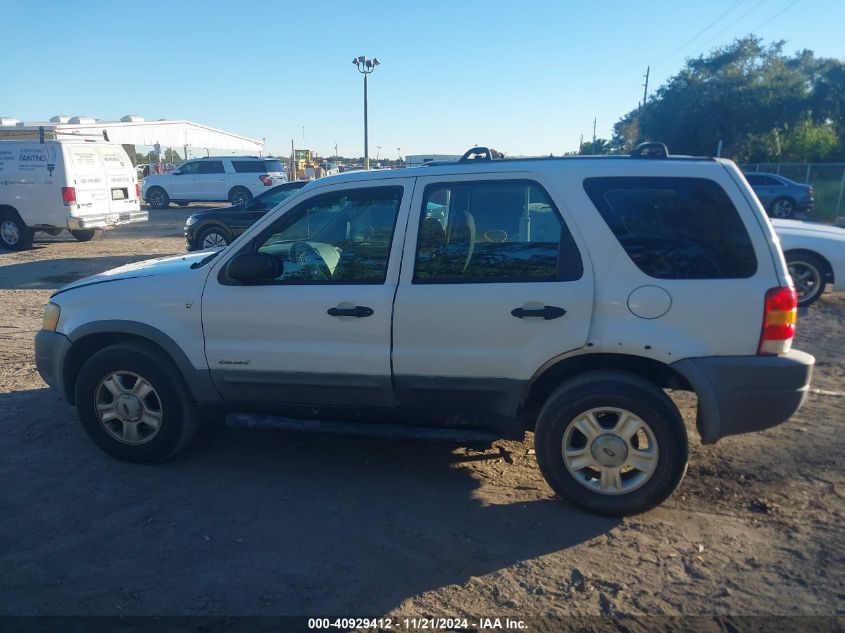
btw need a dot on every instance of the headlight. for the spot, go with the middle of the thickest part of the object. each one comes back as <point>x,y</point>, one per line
<point>191,220</point>
<point>51,317</point>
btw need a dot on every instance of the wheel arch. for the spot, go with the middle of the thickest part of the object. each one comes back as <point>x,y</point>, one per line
<point>92,337</point>
<point>7,208</point>
<point>555,372</point>
<point>808,251</point>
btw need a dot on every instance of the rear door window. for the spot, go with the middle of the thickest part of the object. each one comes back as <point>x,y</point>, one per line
<point>114,160</point>
<point>675,228</point>
<point>211,167</point>
<point>86,159</point>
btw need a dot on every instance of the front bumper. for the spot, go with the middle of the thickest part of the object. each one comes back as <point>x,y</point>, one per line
<point>106,220</point>
<point>51,349</point>
<point>741,394</point>
<point>190,237</point>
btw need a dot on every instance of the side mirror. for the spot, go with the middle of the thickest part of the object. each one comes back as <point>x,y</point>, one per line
<point>253,268</point>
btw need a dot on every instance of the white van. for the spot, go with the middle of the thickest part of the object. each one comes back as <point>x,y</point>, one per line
<point>81,186</point>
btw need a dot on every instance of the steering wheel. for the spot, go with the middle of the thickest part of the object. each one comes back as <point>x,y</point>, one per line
<point>311,263</point>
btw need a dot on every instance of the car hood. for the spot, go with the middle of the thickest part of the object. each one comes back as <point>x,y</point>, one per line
<point>235,208</point>
<point>796,227</point>
<point>162,266</point>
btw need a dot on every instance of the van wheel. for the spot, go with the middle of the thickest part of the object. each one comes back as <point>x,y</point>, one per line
<point>86,235</point>
<point>133,405</point>
<point>240,195</point>
<point>14,234</point>
<point>808,273</point>
<point>158,198</point>
<point>611,442</point>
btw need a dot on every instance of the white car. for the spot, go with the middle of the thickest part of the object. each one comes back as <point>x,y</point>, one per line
<point>214,179</point>
<point>55,185</point>
<point>815,256</point>
<point>469,301</point>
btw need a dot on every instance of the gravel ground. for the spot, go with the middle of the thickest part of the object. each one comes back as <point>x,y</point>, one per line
<point>250,522</point>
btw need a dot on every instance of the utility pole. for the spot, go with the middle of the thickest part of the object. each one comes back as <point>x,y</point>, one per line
<point>581,143</point>
<point>645,87</point>
<point>292,173</point>
<point>335,152</point>
<point>594,136</point>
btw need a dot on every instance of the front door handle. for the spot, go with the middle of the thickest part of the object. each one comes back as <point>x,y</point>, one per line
<point>546,312</point>
<point>357,311</point>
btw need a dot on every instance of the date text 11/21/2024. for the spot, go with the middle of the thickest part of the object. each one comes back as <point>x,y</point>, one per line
<point>417,624</point>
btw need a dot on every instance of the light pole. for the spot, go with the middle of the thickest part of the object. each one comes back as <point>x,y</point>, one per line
<point>365,67</point>
<point>378,151</point>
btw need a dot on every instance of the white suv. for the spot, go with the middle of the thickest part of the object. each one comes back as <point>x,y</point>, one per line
<point>214,179</point>
<point>468,300</point>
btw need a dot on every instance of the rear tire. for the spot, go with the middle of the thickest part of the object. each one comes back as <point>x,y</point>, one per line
<point>158,198</point>
<point>809,275</point>
<point>133,404</point>
<point>15,235</point>
<point>240,195</point>
<point>633,453</point>
<point>86,235</point>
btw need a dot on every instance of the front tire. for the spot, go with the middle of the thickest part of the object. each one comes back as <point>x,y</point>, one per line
<point>213,237</point>
<point>15,235</point>
<point>132,404</point>
<point>86,235</point>
<point>782,208</point>
<point>158,198</point>
<point>612,443</point>
<point>239,196</point>
<point>808,274</point>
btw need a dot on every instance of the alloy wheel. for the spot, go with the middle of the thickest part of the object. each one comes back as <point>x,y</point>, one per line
<point>128,407</point>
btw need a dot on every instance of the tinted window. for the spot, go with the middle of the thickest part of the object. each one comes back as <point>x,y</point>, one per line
<point>189,168</point>
<point>257,166</point>
<point>675,228</point>
<point>273,198</point>
<point>764,181</point>
<point>493,232</point>
<point>211,167</point>
<point>342,237</point>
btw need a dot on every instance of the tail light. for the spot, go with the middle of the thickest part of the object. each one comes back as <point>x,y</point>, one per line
<point>69,195</point>
<point>779,315</point>
<point>137,190</point>
<point>266,180</point>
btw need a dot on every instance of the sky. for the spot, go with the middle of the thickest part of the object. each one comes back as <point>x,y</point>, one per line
<point>524,77</point>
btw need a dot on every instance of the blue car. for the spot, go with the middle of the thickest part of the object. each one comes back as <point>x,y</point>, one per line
<point>781,197</point>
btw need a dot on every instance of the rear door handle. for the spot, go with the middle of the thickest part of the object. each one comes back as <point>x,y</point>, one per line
<point>546,312</point>
<point>357,311</point>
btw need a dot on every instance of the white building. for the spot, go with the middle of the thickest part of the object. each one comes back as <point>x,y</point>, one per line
<point>418,159</point>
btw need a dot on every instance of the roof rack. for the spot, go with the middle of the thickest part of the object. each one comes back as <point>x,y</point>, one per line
<point>650,150</point>
<point>42,133</point>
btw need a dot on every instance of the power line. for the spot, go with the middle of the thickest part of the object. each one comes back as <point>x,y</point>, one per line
<point>784,10</point>
<point>706,28</point>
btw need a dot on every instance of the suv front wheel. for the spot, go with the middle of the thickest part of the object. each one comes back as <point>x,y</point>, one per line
<point>611,442</point>
<point>132,405</point>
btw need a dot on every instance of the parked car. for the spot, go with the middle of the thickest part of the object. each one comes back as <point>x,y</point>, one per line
<point>215,228</point>
<point>80,186</point>
<point>815,256</point>
<point>781,197</point>
<point>469,300</point>
<point>214,179</point>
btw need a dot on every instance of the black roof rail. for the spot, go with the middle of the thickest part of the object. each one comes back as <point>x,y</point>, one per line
<point>650,150</point>
<point>480,153</point>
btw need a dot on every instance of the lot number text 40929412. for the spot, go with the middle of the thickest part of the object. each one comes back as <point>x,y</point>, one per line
<point>418,624</point>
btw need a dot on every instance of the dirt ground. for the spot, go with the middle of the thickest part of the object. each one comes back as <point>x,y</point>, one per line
<point>249,522</point>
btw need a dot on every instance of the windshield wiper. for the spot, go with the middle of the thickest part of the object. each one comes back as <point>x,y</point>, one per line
<point>206,259</point>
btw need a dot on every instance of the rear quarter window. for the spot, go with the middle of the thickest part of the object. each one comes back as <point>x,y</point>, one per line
<point>256,166</point>
<point>675,228</point>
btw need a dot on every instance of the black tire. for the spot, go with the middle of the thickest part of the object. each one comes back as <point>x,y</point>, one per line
<point>15,235</point>
<point>183,204</point>
<point>86,235</point>
<point>782,208</point>
<point>210,233</point>
<point>240,195</point>
<point>809,274</point>
<point>621,390</point>
<point>179,421</point>
<point>158,198</point>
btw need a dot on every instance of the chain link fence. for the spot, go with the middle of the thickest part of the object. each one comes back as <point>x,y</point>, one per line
<point>827,180</point>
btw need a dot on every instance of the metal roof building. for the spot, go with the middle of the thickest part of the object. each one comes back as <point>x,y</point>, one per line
<point>134,130</point>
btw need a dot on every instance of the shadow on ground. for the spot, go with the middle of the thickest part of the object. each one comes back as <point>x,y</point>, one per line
<point>248,522</point>
<point>49,274</point>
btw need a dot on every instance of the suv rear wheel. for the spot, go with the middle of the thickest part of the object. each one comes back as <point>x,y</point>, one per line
<point>158,198</point>
<point>131,403</point>
<point>239,195</point>
<point>611,442</point>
